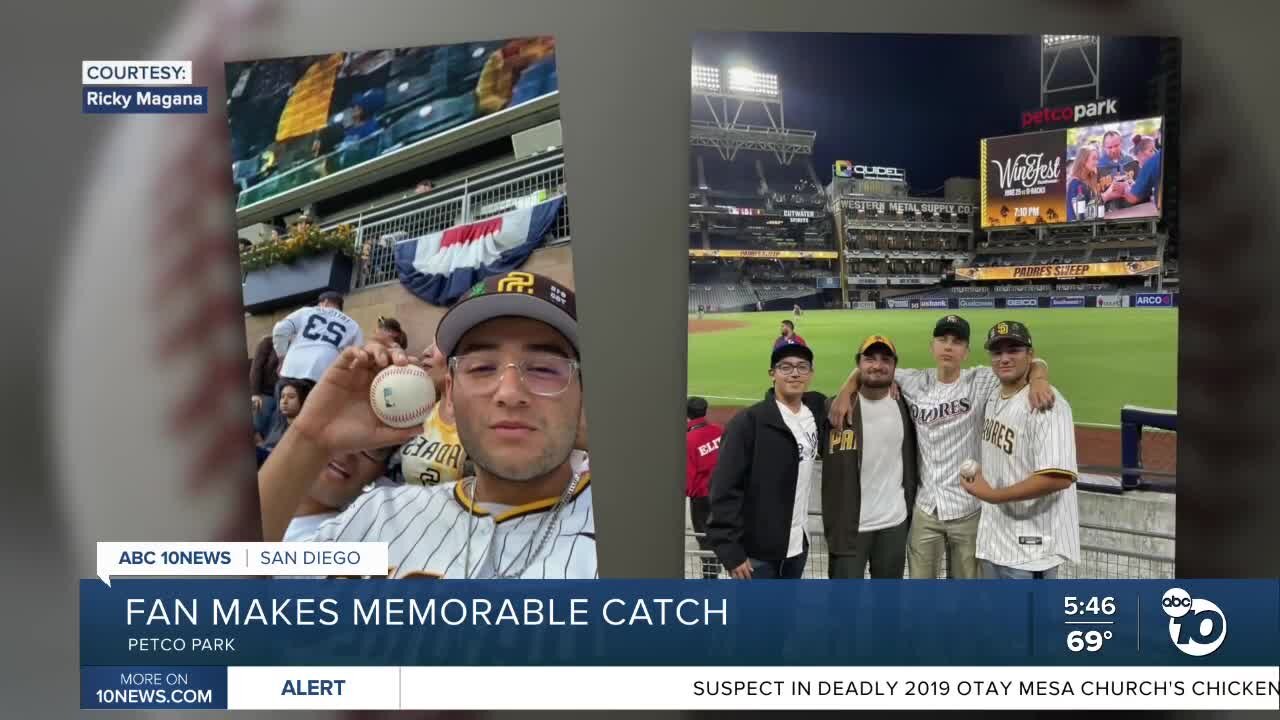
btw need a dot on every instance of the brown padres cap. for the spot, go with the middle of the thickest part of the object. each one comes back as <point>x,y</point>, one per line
<point>514,294</point>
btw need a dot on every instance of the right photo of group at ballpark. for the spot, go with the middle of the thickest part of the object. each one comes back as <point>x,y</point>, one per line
<point>933,307</point>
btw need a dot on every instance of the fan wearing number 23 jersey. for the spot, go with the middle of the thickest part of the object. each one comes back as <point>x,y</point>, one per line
<point>311,338</point>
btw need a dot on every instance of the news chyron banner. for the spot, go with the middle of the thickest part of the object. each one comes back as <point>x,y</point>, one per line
<point>343,636</point>
<point>1085,174</point>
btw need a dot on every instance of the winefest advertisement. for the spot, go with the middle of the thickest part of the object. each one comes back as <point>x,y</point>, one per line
<point>1092,173</point>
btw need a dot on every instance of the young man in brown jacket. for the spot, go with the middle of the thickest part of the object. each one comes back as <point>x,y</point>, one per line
<point>870,474</point>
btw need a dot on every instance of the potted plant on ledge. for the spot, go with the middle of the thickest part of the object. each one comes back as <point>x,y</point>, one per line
<point>293,268</point>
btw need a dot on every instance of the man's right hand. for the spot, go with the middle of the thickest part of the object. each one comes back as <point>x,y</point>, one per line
<point>337,415</point>
<point>742,572</point>
<point>257,401</point>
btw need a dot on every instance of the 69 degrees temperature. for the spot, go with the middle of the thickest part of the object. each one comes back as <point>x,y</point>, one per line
<point>1087,640</point>
<point>1094,607</point>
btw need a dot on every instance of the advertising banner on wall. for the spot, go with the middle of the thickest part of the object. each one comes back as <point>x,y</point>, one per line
<point>1060,272</point>
<point>906,207</point>
<point>1022,302</point>
<point>1067,301</point>
<point>934,303</point>
<point>897,304</point>
<point>766,254</point>
<point>1152,300</point>
<point>1110,301</point>
<point>1091,173</point>
<point>977,302</point>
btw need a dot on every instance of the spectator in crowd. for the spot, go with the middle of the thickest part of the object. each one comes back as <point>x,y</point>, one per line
<point>293,393</point>
<point>389,331</point>
<point>787,335</point>
<point>264,373</point>
<point>1144,186</point>
<point>702,449</point>
<point>436,455</point>
<point>340,482</point>
<point>364,120</point>
<point>760,485</point>
<point>1114,160</point>
<point>310,338</point>
<point>1082,178</point>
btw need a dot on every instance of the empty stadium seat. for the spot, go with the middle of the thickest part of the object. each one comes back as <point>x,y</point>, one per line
<point>429,119</point>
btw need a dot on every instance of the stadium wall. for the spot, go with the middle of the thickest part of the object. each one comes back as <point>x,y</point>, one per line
<point>418,319</point>
<point>1034,301</point>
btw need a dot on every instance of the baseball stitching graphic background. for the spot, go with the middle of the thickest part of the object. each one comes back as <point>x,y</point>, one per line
<point>111,341</point>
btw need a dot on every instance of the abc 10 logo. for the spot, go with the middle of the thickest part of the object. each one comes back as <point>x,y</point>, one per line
<point>1197,626</point>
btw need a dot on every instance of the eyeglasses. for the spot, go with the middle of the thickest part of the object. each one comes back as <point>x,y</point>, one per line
<point>798,369</point>
<point>544,375</point>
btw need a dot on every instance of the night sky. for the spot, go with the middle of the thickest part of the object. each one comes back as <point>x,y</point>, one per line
<point>918,102</point>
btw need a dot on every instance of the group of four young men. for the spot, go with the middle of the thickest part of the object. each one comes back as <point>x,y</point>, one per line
<point>891,444</point>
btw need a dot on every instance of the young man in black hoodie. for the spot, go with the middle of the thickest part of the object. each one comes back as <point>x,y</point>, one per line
<point>870,474</point>
<point>760,487</point>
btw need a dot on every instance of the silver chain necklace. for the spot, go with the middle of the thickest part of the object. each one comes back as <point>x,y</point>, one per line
<point>546,527</point>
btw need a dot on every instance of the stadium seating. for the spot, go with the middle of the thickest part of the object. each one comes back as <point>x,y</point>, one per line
<point>407,94</point>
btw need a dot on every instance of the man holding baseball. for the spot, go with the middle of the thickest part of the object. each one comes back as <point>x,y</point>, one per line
<point>1030,520</point>
<point>947,403</point>
<point>515,389</point>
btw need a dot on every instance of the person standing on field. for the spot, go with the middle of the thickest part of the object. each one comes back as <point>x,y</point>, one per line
<point>947,405</point>
<point>1027,480</point>
<point>702,450</point>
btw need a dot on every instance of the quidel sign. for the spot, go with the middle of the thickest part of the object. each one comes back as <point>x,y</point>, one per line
<point>1067,114</point>
<point>844,168</point>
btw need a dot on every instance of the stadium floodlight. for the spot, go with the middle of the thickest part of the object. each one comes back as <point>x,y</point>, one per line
<point>706,78</point>
<point>746,80</point>
<point>1059,40</point>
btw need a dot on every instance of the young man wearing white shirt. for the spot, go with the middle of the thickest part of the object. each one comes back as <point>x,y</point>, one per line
<point>869,474</point>
<point>760,486</point>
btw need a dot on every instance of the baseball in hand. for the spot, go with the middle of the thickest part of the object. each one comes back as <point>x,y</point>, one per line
<point>968,469</point>
<point>402,396</point>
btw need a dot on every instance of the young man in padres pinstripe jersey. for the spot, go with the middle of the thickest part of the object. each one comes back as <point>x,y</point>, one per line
<point>516,392</point>
<point>1027,482</point>
<point>947,405</point>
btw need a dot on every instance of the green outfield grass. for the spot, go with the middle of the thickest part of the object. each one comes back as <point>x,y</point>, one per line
<point>1100,359</point>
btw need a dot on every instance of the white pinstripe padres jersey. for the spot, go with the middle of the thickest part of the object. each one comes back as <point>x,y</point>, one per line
<point>1016,443</point>
<point>426,530</point>
<point>948,418</point>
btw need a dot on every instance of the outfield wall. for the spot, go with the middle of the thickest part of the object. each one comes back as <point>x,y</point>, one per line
<point>1034,301</point>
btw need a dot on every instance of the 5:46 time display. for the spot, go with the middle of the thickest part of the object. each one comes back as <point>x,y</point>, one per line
<point>1089,606</point>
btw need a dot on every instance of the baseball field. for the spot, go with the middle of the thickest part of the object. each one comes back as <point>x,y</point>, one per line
<point>1099,358</point>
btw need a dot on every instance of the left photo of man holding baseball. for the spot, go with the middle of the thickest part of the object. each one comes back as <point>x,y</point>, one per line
<point>412,325</point>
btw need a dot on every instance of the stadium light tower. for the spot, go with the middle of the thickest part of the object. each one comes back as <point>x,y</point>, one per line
<point>727,92</point>
<point>1055,49</point>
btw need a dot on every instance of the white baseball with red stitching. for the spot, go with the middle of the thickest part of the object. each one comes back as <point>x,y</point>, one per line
<point>402,396</point>
<point>968,468</point>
